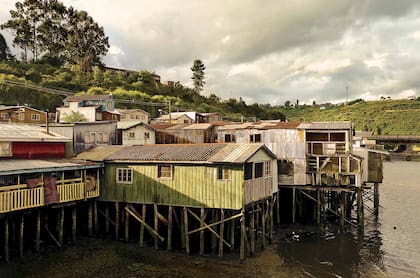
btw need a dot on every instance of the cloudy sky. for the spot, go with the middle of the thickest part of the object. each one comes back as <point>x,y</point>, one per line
<point>267,51</point>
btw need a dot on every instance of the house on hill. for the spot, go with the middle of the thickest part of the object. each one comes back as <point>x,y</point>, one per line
<point>22,114</point>
<point>135,133</point>
<point>134,115</point>
<point>92,107</point>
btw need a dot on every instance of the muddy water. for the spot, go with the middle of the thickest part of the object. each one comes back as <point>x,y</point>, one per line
<point>387,247</point>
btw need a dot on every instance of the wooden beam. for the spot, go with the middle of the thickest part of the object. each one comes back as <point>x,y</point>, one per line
<point>143,216</point>
<point>270,219</point>
<point>187,238</point>
<point>117,220</point>
<point>6,238</point>
<point>252,231</point>
<point>38,231</point>
<point>263,223</point>
<point>149,229</point>
<point>156,225</point>
<point>21,237</point>
<point>74,222</point>
<point>243,235</point>
<point>232,235</point>
<point>95,216</point>
<point>90,219</point>
<point>169,244</point>
<point>51,235</point>
<point>202,219</point>
<point>293,205</point>
<point>278,207</point>
<point>127,224</point>
<point>108,220</point>
<point>222,230</point>
<point>61,226</point>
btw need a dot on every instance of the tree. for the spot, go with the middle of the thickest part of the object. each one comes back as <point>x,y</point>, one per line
<point>198,75</point>
<point>4,49</point>
<point>287,103</point>
<point>73,117</point>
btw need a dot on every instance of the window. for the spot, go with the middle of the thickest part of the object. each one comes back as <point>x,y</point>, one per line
<point>164,171</point>
<point>5,149</point>
<point>255,138</point>
<point>35,117</point>
<point>4,116</point>
<point>21,116</point>
<point>248,171</point>
<point>146,135</point>
<point>230,138</point>
<point>223,173</point>
<point>131,135</point>
<point>186,122</point>
<point>137,117</point>
<point>125,175</point>
<point>258,169</point>
<point>267,168</point>
<point>99,137</point>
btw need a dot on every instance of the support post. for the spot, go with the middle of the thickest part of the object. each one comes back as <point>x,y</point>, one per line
<point>376,199</point>
<point>182,229</point>
<point>106,218</point>
<point>278,207</point>
<point>6,238</point>
<point>213,236</point>
<point>74,223</point>
<point>243,235</point>
<point>127,224</point>
<point>21,227</point>
<point>187,238</point>
<point>270,216</point>
<point>143,216</point>
<point>156,226</point>
<point>318,206</point>
<point>61,227</point>
<point>221,232</point>
<point>38,231</point>
<point>293,205</point>
<point>252,230</point>
<point>202,219</point>
<point>342,208</point>
<point>263,223</point>
<point>169,246</point>
<point>95,217</point>
<point>90,219</point>
<point>360,209</point>
<point>232,235</point>
<point>117,220</point>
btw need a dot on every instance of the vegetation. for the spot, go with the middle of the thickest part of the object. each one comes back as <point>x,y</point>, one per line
<point>198,75</point>
<point>4,49</point>
<point>74,117</point>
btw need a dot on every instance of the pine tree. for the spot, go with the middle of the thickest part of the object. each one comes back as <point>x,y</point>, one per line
<point>4,49</point>
<point>198,75</point>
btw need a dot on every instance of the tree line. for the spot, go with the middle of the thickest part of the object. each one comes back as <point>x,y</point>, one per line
<point>47,29</point>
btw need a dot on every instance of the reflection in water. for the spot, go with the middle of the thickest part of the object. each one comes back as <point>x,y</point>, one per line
<point>387,247</point>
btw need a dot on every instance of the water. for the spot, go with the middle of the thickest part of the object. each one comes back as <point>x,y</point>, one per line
<point>387,247</point>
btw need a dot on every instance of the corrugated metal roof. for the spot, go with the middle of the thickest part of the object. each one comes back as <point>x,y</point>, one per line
<point>175,152</point>
<point>200,126</point>
<point>99,153</point>
<point>238,153</point>
<point>325,125</point>
<point>28,133</point>
<point>128,124</point>
<point>235,126</point>
<point>2,107</point>
<point>87,97</point>
<point>125,111</point>
<point>260,125</point>
<point>17,166</point>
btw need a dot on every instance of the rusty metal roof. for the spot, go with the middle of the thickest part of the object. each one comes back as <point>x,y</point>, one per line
<point>238,153</point>
<point>129,124</point>
<point>326,125</point>
<point>200,126</point>
<point>28,133</point>
<point>99,153</point>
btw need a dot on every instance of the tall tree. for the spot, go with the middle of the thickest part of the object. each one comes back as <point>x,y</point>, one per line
<point>198,75</point>
<point>4,49</point>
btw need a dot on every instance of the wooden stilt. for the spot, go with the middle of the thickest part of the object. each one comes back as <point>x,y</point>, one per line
<point>21,227</point>
<point>278,207</point>
<point>243,235</point>
<point>106,218</point>
<point>376,199</point>
<point>156,226</point>
<point>117,220</point>
<point>318,206</point>
<point>252,231</point>
<point>213,236</point>
<point>6,238</point>
<point>270,218</point>
<point>38,231</point>
<point>263,226</point>
<point>222,230</point>
<point>342,208</point>
<point>169,246</point>
<point>143,216</point>
<point>232,235</point>
<point>202,219</point>
<point>127,225</point>
<point>95,217</point>
<point>90,219</point>
<point>293,205</point>
<point>360,209</point>
<point>74,223</point>
<point>182,229</point>
<point>187,238</point>
<point>61,226</point>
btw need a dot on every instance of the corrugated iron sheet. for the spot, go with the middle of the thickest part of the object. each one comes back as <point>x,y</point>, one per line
<point>28,133</point>
<point>325,125</point>
<point>98,153</point>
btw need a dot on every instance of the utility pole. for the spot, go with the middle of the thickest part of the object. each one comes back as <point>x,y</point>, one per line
<point>169,111</point>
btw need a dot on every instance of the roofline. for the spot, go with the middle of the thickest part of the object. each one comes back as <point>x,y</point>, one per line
<point>48,169</point>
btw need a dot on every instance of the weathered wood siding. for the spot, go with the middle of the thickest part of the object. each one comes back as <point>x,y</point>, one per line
<point>190,185</point>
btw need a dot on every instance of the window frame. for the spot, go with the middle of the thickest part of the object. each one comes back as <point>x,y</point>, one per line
<point>223,173</point>
<point>126,176</point>
<point>35,117</point>
<point>159,171</point>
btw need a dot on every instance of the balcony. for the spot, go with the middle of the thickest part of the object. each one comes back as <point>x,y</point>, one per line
<point>257,189</point>
<point>19,196</point>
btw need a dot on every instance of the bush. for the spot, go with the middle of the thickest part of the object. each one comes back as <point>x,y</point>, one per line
<point>33,76</point>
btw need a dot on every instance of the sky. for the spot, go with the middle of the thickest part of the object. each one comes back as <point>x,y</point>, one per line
<point>267,51</point>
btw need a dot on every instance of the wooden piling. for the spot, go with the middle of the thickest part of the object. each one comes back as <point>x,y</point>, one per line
<point>95,217</point>
<point>127,225</point>
<point>182,229</point>
<point>243,235</point>
<point>61,227</point>
<point>169,246</point>
<point>213,236</point>
<point>376,199</point>
<point>252,230</point>
<point>117,220</point>
<point>21,228</point>
<point>156,226</point>
<point>74,223</point>
<point>187,238</point>
<point>293,205</point>
<point>221,232</point>
<point>90,219</point>
<point>263,222</point>
<point>278,207</point>
<point>360,209</point>
<point>106,218</point>
<point>232,235</point>
<point>342,208</point>
<point>270,218</point>
<point>318,206</point>
<point>202,219</point>
<point>38,231</point>
<point>143,216</point>
<point>6,238</point>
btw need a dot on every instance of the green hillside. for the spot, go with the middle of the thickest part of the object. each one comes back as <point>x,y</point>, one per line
<point>381,117</point>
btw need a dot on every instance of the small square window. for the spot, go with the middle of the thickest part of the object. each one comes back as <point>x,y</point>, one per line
<point>267,168</point>
<point>223,173</point>
<point>35,117</point>
<point>255,138</point>
<point>165,171</point>
<point>124,175</point>
<point>131,135</point>
<point>230,138</point>
<point>147,135</point>
<point>258,170</point>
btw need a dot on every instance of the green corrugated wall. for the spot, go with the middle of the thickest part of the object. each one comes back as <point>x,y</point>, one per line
<point>191,185</point>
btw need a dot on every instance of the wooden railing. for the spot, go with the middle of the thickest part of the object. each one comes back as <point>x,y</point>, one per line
<point>18,197</point>
<point>257,189</point>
